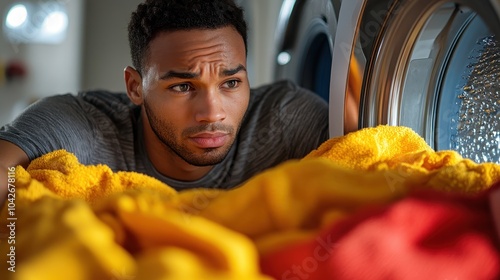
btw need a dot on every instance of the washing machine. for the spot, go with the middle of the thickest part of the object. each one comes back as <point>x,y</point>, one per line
<point>304,40</point>
<point>432,65</point>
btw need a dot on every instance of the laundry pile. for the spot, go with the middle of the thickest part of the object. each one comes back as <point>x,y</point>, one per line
<point>378,203</point>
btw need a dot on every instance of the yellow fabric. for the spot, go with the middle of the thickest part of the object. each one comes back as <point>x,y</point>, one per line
<point>62,174</point>
<point>410,160</point>
<point>372,148</point>
<point>63,239</point>
<point>86,222</point>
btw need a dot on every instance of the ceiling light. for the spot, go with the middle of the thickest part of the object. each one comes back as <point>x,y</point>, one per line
<point>16,16</point>
<point>42,22</point>
<point>55,22</point>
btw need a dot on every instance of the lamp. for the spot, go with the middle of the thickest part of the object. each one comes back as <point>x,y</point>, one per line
<point>42,22</point>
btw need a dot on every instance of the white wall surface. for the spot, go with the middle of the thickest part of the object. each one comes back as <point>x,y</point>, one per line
<point>50,68</point>
<point>261,33</point>
<point>106,49</point>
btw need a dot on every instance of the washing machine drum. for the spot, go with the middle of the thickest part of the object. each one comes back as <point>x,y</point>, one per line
<point>432,65</point>
<point>304,43</point>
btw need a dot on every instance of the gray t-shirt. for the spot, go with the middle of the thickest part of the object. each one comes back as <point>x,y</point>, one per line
<point>282,122</point>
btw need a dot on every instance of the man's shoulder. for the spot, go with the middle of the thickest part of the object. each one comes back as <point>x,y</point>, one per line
<point>285,93</point>
<point>278,88</point>
<point>103,98</point>
<point>94,98</point>
<point>95,104</point>
<point>106,104</point>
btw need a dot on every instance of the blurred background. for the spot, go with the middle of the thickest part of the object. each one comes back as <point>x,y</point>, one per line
<point>74,45</point>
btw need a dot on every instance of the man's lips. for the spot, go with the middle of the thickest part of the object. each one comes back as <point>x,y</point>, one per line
<point>210,139</point>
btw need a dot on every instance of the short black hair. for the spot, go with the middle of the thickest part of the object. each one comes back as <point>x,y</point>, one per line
<point>155,16</point>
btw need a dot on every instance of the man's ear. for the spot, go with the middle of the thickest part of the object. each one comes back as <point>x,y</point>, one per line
<point>133,82</point>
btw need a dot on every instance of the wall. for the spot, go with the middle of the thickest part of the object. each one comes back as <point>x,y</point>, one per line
<point>261,29</point>
<point>106,45</point>
<point>50,68</point>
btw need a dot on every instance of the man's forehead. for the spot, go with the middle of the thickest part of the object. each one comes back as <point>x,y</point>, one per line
<point>198,39</point>
<point>186,50</point>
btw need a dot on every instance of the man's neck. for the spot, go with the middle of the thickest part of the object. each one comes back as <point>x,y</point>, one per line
<point>171,165</point>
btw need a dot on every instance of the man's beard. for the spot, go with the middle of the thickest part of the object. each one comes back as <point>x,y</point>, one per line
<point>166,133</point>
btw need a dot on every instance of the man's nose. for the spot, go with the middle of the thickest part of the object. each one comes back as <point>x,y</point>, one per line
<point>210,106</point>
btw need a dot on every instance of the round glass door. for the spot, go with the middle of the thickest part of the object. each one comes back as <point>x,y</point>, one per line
<point>433,66</point>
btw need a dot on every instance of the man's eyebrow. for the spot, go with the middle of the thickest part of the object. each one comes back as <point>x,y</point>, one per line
<point>230,72</point>
<point>180,75</point>
<point>192,75</point>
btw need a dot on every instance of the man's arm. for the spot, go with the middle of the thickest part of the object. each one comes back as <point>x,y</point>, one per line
<point>10,156</point>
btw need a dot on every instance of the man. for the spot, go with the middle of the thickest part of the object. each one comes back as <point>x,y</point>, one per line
<point>188,118</point>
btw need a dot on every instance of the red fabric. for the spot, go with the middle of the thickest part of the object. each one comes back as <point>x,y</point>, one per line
<point>424,236</point>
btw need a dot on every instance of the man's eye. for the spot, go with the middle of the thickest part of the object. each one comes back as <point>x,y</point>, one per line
<point>232,84</point>
<point>181,88</point>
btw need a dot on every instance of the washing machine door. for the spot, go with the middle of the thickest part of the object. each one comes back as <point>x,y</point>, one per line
<point>304,43</point>
<point>432,65</point>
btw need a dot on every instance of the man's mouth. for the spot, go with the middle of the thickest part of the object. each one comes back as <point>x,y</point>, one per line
<point>206,140</point>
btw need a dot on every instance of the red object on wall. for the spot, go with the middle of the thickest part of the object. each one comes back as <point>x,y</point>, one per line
<point>15,69</point>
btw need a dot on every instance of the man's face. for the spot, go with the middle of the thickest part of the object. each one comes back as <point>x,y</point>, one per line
<point>196,92</point>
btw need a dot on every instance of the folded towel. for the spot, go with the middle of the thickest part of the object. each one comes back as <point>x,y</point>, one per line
<point>152,232</point>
